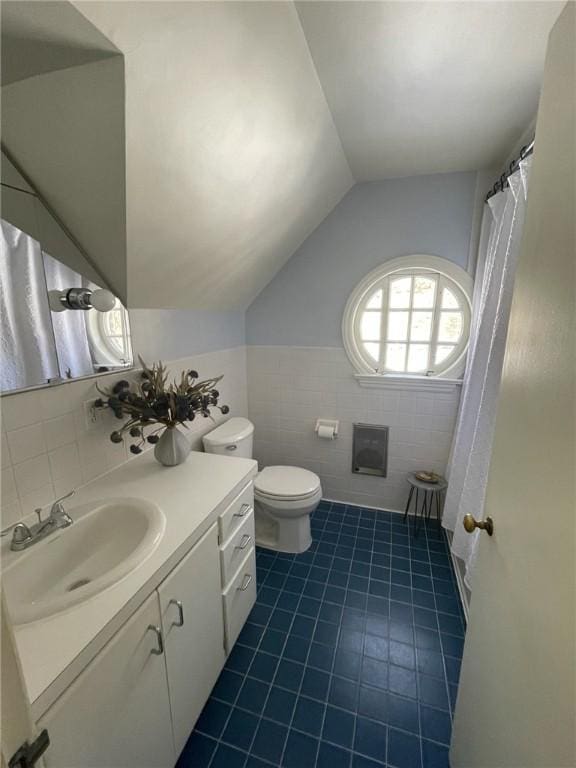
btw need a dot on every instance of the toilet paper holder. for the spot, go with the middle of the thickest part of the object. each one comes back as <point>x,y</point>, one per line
<point>325,424</point>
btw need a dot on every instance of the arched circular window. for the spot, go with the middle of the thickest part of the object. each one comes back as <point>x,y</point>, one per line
<point>410,316</point>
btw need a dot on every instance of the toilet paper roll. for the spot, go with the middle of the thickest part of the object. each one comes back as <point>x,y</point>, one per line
<point>326,433</point>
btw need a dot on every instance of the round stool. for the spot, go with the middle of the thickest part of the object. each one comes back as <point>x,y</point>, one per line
<point>431,492</point>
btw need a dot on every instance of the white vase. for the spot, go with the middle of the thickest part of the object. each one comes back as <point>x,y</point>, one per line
<point>172,448</point>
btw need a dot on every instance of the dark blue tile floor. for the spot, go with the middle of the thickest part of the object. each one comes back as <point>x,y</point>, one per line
<point>350,657</point>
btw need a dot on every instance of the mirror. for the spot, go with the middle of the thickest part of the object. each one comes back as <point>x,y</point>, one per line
<point>63,225</point>
<point>58,321</point>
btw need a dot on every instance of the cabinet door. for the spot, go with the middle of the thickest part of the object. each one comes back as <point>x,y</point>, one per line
<point>117,712</point>
<point>191,606</point>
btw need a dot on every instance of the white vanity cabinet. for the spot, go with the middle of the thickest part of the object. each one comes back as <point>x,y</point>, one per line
<point>137,701</point>
<point>193,633</point>
<point>117,712</point>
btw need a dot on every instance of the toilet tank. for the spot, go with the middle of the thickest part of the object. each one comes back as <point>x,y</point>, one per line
<point>232,438</point>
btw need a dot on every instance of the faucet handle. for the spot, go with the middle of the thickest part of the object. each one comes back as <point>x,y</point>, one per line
<point>38,511</point>
<point>58,514</point>
<point>20,534</point>
<point>63,498</point>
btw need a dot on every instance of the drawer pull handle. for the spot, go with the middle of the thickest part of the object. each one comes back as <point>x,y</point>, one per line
<point>245,584</point>
<point>246,539</point>
<point>244,509</point>
<point>160,650</point>
<point>178,604</point>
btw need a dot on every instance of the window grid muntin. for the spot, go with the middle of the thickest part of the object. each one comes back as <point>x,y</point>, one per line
<point>384,284</point>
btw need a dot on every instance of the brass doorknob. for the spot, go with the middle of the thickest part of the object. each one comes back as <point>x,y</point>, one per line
<point>470,524</point>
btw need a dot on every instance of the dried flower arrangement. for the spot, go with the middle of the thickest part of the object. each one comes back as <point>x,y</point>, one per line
<point>155,403</point>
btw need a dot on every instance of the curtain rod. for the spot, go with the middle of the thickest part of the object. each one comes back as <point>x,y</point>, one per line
<point>502,182</point>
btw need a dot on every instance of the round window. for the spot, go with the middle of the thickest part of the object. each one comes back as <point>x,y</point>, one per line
<point>410,316</point>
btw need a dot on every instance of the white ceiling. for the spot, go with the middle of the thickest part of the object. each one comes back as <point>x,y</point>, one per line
<point>428,87</point>
<point>232,154</point>
<point>41,37</point>
<point>244,120</point>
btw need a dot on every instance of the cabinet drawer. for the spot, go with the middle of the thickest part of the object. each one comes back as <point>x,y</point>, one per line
<point>233,516</point>
<point>234,550</point>
<point>238,598</point>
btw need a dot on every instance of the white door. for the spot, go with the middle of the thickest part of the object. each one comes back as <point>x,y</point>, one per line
<point>191,607</point>
<point>516,702</point>
<point>116,714</point>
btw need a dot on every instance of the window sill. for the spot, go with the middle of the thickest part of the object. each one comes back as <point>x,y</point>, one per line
<point>436,385</point>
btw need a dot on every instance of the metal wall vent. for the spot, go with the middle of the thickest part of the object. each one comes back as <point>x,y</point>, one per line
<point>370,450</point>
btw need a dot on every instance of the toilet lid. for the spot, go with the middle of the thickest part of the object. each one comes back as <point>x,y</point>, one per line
<point>286,482</point>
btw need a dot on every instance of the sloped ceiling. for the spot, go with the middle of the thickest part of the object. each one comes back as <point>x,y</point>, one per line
<point>428,87</point>
<point>232,154</point>
<point>41,37</point>
<point>244,120</point>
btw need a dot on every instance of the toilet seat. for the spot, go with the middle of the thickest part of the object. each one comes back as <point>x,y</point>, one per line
<point>282,483</point>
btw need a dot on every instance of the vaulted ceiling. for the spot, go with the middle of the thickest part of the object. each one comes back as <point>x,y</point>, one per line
<point>232,156</point>
<point>247,122</point>
<point>428,87</point>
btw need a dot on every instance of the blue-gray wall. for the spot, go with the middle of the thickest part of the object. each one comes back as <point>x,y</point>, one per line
<point>169,334</point>
<point>375,221</point>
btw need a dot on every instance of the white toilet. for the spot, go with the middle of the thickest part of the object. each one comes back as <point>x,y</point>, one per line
<point>284,497</point>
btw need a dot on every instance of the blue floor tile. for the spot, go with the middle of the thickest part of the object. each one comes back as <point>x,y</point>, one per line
<point>349,659</point>
<point>253,695</point>
<point>433,691</point>
<point>370,739</point>
<point>228,757</point>
<point>338,727</point>
<point>402,713</point>
<point>198,751</point>
<point>240,729</point>
<point>213,718</point>
<point>330,756</point>
<point>300,750</point>
<point>315,684</point>
<point>269,741</point>
<point>344,694</point>
<point>228,685</point>
<point>436,724</point>
<point>434,755</point>
<point>263,666</point>
<point>403,750</point>
<point>240,658</point>
<point>280,705</point>
<point>289,674</point>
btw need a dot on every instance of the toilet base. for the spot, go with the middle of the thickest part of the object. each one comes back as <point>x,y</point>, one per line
<point>292,536</point>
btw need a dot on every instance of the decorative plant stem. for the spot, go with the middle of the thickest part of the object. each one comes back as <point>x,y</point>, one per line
<point>153,402</point>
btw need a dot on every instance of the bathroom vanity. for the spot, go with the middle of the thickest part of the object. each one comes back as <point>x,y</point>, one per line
<point>120,677</point>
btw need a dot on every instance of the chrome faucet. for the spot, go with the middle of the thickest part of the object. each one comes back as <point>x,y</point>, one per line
<point>24,536</point>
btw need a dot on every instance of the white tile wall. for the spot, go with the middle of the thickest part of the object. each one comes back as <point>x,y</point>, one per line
<point>47,449</point>
<point>290,387</point>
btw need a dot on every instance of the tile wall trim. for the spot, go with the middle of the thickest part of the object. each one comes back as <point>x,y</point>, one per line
<point>47,448</point>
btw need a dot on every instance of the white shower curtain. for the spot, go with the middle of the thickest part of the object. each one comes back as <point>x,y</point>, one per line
<point>27,350</point>
<point>472,446</point>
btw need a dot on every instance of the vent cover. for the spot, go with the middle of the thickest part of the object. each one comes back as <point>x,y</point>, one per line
<point>370,450</point>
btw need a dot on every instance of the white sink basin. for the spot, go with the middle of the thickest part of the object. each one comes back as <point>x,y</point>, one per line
<point>105,543</point>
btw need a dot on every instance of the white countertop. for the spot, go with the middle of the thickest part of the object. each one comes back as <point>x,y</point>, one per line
<point>54,650</point>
